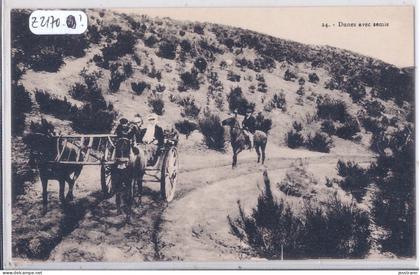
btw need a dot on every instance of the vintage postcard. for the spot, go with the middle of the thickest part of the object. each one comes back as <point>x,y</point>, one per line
<point>194,135</point>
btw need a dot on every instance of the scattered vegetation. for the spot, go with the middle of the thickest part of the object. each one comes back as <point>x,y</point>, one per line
<point>274,231</point>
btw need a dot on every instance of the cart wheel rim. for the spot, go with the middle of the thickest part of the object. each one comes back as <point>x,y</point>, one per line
<point>171,175</point>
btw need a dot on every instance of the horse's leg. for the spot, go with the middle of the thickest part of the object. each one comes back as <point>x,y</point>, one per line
<point>69,196</point>
<point>234,159</point>
<point>116,183</point>
<point>140,187</point>
<point>62,184</point>
<point>263,151</point>
<point>129,198</point>
<point>44,182</point>
<point>257,149</point>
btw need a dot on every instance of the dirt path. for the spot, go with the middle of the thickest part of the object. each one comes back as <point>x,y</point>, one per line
<point>192,227</point>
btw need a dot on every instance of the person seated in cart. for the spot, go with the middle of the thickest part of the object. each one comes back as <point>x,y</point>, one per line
<point>124,135</point>
<point>152,138</point>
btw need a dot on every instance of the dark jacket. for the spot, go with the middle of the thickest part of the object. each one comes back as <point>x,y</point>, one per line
<point>158,135</point>
<point>124,131</point>
<point>249,124</point>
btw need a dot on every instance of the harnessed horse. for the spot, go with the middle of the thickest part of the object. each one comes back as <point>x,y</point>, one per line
<point>44,149</point>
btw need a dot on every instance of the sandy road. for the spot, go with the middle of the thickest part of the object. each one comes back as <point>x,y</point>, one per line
<point>192,227</point>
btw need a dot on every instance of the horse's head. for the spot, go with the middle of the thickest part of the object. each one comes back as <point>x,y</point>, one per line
<point>42,147</point>
<point>231,122</point>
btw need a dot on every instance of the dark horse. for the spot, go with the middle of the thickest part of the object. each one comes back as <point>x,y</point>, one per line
<point>44,149</point>
<point>239,140</point>
<point>127,174</point>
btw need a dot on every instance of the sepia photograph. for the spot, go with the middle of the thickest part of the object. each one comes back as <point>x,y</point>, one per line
<point>213,135</point>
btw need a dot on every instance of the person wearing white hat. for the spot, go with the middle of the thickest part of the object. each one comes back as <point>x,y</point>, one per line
<point>151,137</point>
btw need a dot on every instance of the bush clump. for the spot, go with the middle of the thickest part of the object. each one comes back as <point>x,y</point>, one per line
<point>349,129</point>
<point>213,131</point>
<point>355,179</point>
<point>167,49</point>
<point>189,80</point>
<point>319,142</point>
<point>262,123</point>
<point>189,107</point>
<point>335,110</point>
<point>139,87</point>
<point>238,102</point>
<point>274,231</point>
<point>186,127</point>
<point>313,78</point>
<point>156,103</point>
<point>277,102</point>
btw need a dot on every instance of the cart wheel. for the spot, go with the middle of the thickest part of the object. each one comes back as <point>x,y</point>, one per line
<point>106,179</point>
<point>169,175</point>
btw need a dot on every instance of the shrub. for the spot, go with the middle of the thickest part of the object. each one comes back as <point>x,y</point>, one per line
<point>278,101</point>
<point>189,81</point>
<point>212,130</point>
<point>185,46</point>
<point>328,127</point>
<point>60,108</point>
<point>262,123</point>
<point>90,119</point>
<point>167,49</point>
<point>301,81</point>
<point>319,142</point>
<point>262,87</point>
<point>201,64</point>
<point>139,87</point>
<point>313,77</point>
<point>233,77</point>
<point>21,104</point>
<point>374,108</point>
<point>119,73</point>
<point>238,102</point>
<point>190,109</point>
<point>160,88</point>
<point>336,110</point>
<point>355,179</point>
<point>150,41</point>
<point>297,126</point>
<point>355,89</point>
<point>294,139</point>
<point>301,91</point>
<point>349,129</point>
<point>289,75</point>
<point>273,231</point>
<point>185,127</point>
<point>156,103</point>
<point>198,29</point>
<point>124,44</point>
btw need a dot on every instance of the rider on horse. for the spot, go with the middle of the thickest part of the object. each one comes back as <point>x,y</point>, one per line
<point>249,126</point>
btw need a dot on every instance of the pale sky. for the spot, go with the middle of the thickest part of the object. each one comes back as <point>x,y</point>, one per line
<point>393,44</point>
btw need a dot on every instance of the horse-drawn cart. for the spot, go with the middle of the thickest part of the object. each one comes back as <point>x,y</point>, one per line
<point>100,149</point>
